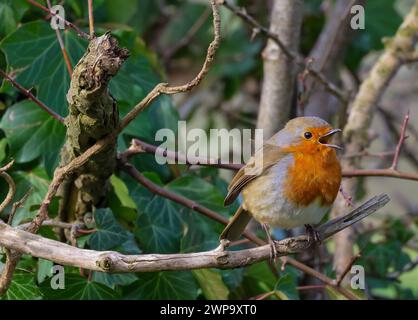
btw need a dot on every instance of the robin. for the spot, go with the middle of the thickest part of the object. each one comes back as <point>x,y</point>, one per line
<point>292,180</point>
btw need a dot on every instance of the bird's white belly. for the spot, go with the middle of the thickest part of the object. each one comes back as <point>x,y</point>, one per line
<point>263,199</point>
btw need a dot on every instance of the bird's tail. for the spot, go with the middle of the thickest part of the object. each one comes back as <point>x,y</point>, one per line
<point>236,226</point>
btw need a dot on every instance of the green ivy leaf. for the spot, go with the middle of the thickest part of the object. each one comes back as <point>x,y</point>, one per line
<point>32,133</point>
<point>109,234</point>
<point>23,287</point>
<point>44,270</point>
<point>158,227</point>
<point>211,283</point>
<point>7,18</point>
<point>78,288</point>
<point>168,285</point>
<point>200,233</point>
<point>286,287</point>
<point>197,189</point>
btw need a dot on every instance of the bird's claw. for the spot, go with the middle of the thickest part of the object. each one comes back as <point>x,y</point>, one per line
<point>313,234</point>
<point>273,252</point>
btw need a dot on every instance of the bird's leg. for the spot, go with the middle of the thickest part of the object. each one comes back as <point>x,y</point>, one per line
<point>273,250</point>
<point>313,235</point>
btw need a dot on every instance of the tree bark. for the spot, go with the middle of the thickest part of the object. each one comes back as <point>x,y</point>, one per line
<point>279,70</point>
<point>93,114</point>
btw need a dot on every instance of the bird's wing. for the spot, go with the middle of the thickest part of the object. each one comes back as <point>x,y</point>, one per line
<point>262,160</point>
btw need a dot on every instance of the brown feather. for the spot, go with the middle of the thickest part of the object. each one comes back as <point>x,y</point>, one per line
<point>267,156</point>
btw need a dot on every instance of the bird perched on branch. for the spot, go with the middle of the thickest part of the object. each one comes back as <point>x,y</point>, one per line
<point>291,181</point>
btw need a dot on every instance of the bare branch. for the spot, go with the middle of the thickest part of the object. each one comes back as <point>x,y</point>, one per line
<point>169,52</point>
<point>91,18</point>
<point>62,45</point>
<point>353,260</point>
<point>108,261</point>
<point>32,97</point>
<point>12,186</point>
<point>17,205</point>
<point>279,72</point>
<point>139,146</point>
<point>401,141</point>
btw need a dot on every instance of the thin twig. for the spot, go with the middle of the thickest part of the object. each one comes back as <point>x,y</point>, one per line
<point>391,122</point>
<point>353,260</point>
<point>401,141</point>
<point>139,146</point>
<point>18,205</point>
<point>12,186</point>
<point>91,18</point>
<point>169,52</point>
<point>312,287</point>
<point>31,97</point>
<point>62,45</point>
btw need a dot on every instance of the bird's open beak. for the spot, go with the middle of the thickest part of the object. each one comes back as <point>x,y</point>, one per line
<point>324,139</point>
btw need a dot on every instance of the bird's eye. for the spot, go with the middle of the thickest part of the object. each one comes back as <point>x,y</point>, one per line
<point>307,135</point>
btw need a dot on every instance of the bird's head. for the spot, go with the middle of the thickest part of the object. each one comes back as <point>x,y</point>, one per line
<point>307,135</point>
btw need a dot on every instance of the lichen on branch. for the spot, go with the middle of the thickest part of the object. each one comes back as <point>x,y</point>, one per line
<point>93,114</point>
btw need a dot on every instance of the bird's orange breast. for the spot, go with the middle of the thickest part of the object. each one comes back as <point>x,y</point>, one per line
<point>315,173</point>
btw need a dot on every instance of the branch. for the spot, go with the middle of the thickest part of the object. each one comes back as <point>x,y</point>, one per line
<point>32,97</point>
<point>12,186</point>
<point>109,261</point>
<point>279,72</point>
<point>390,120</point>
<point>91,18</point>
<point>299,60</point>
<point>138,146</point>
<point>169,52</point>
<point>401,141</point>
<point>353,260</point>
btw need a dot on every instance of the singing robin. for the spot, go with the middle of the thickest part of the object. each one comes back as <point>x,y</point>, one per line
<point>291,181</point>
